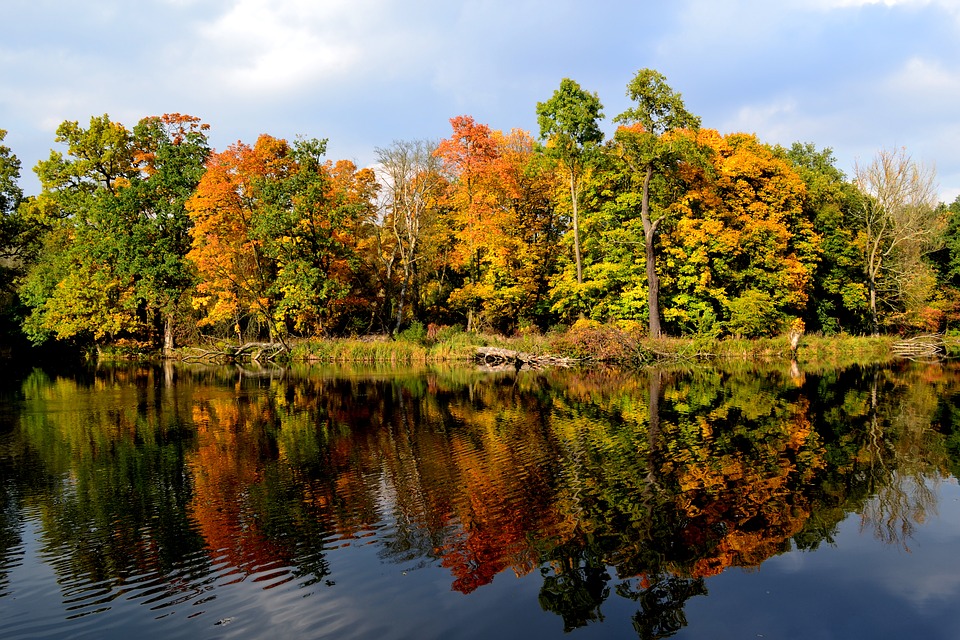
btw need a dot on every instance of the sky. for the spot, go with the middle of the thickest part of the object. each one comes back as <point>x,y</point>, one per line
<point>855,76</point>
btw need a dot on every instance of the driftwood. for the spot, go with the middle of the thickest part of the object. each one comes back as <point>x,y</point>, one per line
<point>250,351</point>
<point>497,359</point>
<point>925,347</point>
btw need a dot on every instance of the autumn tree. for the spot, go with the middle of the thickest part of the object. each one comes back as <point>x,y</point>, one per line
<point>644,144</point>
<point>467,156</point>
<point>500,195</point>
<point>901,225</point>
<point>274,229</point>
<point>78,288</point>
<point>741,253</point>
<point>116,228</point>
<point>410,173</point>
<point>569,123</point>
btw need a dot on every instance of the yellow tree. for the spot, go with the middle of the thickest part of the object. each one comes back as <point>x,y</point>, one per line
<point>741,253</point>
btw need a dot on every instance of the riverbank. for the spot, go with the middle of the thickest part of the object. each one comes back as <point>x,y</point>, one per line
<point>585,344</point>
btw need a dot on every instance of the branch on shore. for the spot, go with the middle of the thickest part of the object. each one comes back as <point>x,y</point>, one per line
<point>251,351</point>
<point>497,359</point>
<point>925,347</point>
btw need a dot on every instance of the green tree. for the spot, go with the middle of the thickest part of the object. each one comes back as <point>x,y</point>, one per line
<point>13,240</point>
<point>838,298</point>
<point>171,152</point>
<point>117,229</point>
<point>644,144</point>
<point>569,122</point>
<point>77,287</point>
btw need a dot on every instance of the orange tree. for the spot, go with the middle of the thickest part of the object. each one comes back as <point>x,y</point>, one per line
<point>500,199</point>
<point>274,236</point>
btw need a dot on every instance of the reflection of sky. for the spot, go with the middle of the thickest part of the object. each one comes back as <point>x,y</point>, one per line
<point>857,588</point>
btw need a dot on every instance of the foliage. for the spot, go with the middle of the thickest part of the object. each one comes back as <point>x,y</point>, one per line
<point>274,236</point>
<point>647,149</point>
<point>740,228</point>
<point>145,235</point>
<point>569,123</point>
<point>112,260</point>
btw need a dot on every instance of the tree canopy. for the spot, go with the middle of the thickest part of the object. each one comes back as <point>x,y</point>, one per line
<point>144,235</point>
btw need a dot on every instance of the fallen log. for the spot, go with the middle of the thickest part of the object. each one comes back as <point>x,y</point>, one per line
<point>925,347</point>
<point>499,358</point>
<point>253,351</point>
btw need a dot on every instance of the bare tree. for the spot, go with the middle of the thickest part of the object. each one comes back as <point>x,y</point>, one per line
<point>901,225</point>
<point>411,179</point>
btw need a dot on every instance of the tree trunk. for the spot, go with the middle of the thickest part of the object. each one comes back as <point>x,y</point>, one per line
<point>576,226</point>
<point>167,335</point>
<point>400,303</point>
<point>653,280</point>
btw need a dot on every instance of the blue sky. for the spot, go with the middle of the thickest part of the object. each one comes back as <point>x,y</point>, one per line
<point>853,75</point>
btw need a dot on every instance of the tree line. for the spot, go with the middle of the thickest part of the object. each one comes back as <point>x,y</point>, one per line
<point>146,235</point>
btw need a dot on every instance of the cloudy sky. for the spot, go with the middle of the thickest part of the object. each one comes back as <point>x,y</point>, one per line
<point>853,75</point>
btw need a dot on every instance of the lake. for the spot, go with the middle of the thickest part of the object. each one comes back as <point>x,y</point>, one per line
<point>312,502</point>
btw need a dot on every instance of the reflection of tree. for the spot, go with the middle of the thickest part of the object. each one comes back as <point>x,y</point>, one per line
<point>655,481</point>
<point>900,453</point>
<point>113,510</point>
<point>661,603</point>
<point>574,584</point>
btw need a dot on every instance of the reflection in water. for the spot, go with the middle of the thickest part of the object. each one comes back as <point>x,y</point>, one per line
<point>163,486</point>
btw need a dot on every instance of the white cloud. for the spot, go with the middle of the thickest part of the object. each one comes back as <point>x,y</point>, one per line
<point>921,76</point>
<point>264,45</point>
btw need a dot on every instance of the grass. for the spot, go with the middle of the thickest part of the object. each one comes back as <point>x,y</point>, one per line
<point>592,342</point>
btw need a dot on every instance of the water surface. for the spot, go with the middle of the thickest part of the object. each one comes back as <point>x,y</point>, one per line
<point>182,502</point>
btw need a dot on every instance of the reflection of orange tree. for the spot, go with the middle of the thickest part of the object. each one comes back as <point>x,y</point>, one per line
<point>720,469</point>
<point>504,494</point>
<point>737,463</point>
<point>228,461</point>
<point>458,463</point>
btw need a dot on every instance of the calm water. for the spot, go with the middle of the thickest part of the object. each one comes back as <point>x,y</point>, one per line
<point>316,503</point>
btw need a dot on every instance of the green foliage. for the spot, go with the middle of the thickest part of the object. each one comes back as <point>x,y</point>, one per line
<point>569,121</point>
<point>753,315</point>
<point>415,332</point>
<point>666,223</point>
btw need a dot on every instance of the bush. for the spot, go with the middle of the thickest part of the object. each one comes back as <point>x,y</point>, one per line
<point>415,333</point>
<point>589,339</point>
<point>753,315</point>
